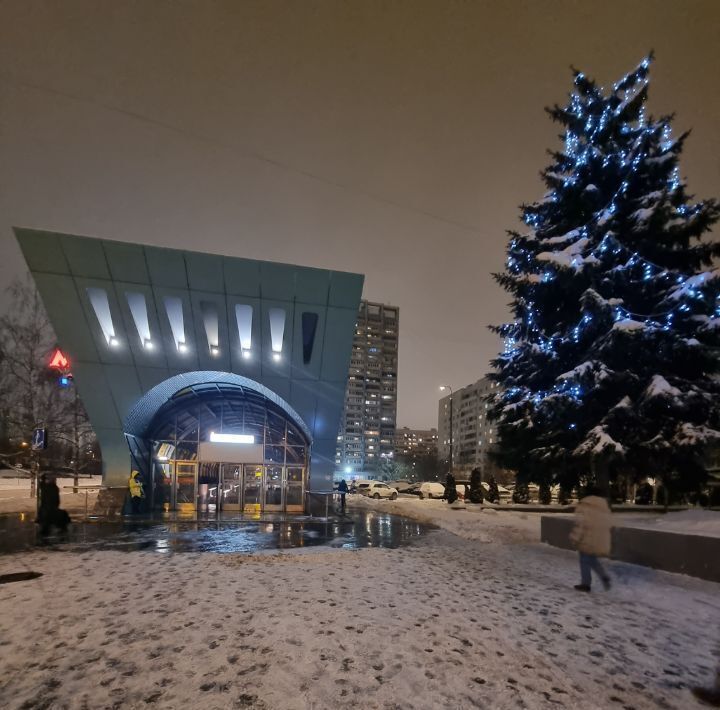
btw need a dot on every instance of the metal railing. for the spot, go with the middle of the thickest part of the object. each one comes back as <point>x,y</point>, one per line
<point>328,495</point>
<point>87,489</point>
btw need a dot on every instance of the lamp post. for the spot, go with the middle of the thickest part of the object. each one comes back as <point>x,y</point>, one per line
<point>442,388</point>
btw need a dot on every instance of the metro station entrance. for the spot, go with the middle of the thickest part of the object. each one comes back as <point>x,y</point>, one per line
<point>210,488</point>
<point>218,447</point>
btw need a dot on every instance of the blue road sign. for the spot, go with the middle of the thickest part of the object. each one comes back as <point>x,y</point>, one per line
<point>39,439</point>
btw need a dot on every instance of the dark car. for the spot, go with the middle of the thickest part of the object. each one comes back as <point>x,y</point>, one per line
<point>413,489</point>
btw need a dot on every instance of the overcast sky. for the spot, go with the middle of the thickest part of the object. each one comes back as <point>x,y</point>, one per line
<point>391,138</point>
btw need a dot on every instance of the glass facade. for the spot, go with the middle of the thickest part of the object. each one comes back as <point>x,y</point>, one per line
<point>183,481</point>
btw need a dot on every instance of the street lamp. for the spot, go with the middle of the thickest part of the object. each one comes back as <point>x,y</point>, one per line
<point>442,388</point>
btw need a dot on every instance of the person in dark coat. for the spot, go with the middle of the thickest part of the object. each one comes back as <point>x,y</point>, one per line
<point>49,512</point>
<point>342,490</point>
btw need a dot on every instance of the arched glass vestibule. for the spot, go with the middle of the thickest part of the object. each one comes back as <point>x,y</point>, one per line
<point>220,447</point>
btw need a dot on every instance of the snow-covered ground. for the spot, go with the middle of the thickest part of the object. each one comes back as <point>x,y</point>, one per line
<point>15,494</point>
<point>487,618</point>
<point>692,522</point>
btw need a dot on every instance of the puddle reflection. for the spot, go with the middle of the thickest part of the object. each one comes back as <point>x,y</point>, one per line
<point>357,529</point>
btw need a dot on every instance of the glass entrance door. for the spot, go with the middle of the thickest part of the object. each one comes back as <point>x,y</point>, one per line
<point>207,489</point>
<point>252,488</point>
<point>231,486</point>
<point>273,488</point>
<point>185,486</point>
<point>295,489</point>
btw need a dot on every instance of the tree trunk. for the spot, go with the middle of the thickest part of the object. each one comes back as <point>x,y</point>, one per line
<point>601,476</point>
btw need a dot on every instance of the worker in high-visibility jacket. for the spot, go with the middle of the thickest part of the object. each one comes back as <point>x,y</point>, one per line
<point>136,492</point>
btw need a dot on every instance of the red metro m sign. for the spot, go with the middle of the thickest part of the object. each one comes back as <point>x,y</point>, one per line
<point>58,361</point>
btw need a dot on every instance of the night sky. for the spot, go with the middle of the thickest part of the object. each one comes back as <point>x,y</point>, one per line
<point>391,138</point>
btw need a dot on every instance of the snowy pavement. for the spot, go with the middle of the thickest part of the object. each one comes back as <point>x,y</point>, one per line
<point>15,495</point>
<point>486,620</point>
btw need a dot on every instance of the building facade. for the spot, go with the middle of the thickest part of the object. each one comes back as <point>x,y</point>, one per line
<point>472,434</point>
<point>221,380</point>
<point>416,442</point>
<point>367,430</point>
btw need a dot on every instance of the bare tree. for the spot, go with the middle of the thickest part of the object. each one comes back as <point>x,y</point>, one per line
<point>30,395</point>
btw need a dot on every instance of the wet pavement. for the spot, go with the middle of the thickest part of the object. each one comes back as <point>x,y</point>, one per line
<point>355,530</point>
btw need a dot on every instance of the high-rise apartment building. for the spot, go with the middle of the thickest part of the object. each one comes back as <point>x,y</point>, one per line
<point>416,442</point>
<point>367,428</point>
<point>473,435</point>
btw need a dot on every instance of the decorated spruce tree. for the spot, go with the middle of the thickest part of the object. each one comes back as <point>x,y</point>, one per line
<point>610,363</point>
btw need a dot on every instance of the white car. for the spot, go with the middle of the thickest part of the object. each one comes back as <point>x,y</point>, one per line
<point>378,490</point>
<point>430,489</point>
<point>361,487</point>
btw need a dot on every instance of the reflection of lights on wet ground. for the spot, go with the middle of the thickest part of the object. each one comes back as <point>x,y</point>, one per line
<point>242,535</point>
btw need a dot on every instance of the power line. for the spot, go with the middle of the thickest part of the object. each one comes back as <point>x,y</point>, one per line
<point>252,155</point>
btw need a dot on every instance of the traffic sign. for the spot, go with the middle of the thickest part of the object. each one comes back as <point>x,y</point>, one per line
<point>59,361</point>
<point>39,439</point>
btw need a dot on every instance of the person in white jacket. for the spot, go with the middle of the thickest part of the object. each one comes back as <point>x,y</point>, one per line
<point>591,536</point>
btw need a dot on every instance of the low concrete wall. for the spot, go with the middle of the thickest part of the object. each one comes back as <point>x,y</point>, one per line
<point>693,555</point>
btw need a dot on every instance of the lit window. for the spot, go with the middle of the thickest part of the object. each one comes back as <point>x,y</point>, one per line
<point>277,328</point>
<point>211,322</point>
<point>138,310</point>
<point>173,308</point>
<point>99,301</point>
<point>243,316</point>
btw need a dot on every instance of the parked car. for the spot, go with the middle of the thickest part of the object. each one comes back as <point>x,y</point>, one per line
<point>359,486</point>
<point>378,489</point>
<point>463,489</point>
<point>413,489</point>
<point>431,489</point>
<point>362,487</point>
<point>400,486</point>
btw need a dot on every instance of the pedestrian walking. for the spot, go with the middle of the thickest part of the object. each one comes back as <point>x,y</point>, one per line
<point>342,490</point>
<point>591,537</point>
<point>136,492</point>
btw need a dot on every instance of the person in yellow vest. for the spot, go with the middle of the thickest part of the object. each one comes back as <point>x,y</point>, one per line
<point>136,492</point>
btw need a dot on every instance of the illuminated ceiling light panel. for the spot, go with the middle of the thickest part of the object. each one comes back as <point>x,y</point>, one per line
<point>174,310</point>
<point>212,326</point>
<point>243,315</point>
<point>246,354</point>
<point>277,357</point>
<point>277,328</point>
<point>232,438</point>
<point>99,301</point>
<point>138,310</point>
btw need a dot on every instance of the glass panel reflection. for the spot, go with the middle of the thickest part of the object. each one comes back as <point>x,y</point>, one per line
<point>231,486</point>
<point>273,487</point>
<point>252,486</point>
<point>185,477</point>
